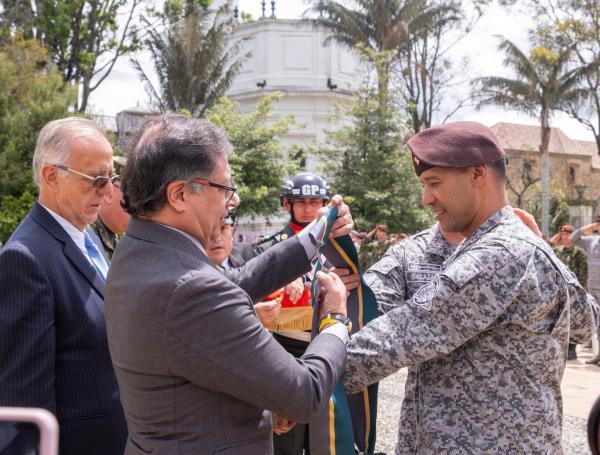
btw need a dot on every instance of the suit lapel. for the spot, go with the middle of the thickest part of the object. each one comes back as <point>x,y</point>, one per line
<point>72,252</point>
<point>90,273</point>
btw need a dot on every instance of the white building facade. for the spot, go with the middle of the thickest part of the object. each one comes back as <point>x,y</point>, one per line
<point>316,80</point>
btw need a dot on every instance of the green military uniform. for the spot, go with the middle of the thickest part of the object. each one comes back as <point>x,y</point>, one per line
<point>576,259</point>
<point>274,239</point>
<point>372,252</point>
<point>109,239</point>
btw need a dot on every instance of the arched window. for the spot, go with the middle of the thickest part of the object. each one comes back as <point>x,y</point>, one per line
<point>572,175</point>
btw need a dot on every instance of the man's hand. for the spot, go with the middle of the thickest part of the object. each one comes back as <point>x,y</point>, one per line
<point>528,220</point>
<point>281,424</point>
<point>343,223</point>
<point>555,239</point>
<point>267,311</point>
<point>332,297</point>
<point>348,277</point>
<point>589,229</point>
<point>295,289</point>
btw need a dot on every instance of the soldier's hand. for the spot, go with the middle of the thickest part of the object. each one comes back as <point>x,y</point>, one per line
<point>555,239</point>
<point>295,289</point>
<point>343,223</point>
<point>332,296</point>
<point>281,424</point>
<point>348,277</point>
<point>528,220</point>
<point>267,311</point>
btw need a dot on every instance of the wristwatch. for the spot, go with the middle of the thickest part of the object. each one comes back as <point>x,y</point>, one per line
<point>332,318</point>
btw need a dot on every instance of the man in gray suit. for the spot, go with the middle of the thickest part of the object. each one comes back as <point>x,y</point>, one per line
<point>197,372</point>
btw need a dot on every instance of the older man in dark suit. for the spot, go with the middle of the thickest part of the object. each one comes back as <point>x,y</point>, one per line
<point>197,371</point>
<point>53,348</point>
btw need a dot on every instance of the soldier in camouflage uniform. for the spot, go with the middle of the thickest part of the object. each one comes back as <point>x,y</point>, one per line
<point>576,259</point>
<point>483,327</point>
<point>302,196</point>
<point>588,238</point>
<point>373,251</point>
<point>112,218</point>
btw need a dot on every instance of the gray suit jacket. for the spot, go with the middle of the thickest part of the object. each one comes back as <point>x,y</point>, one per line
<point>197,372</point>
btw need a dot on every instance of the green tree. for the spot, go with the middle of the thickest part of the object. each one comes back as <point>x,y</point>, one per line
<point>576,22</point>
<point>193,54</point>
<point>426,75</point>
<point>32,93</point>
<point>258,163</point>
<point>544,80</point>
<point>83,37</point>
<point>559,208</point>
<point>367,162</point>
<point>582,29</point>
<point>378,26</point>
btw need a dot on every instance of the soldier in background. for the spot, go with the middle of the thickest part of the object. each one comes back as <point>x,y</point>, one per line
<point>483,326</point>
<point>573,257</point>
<point>588,238</point>
<point>112,218</point>
<point>302,196</point>
<point>374,246</point>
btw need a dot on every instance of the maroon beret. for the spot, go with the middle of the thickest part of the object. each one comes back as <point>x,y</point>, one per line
<point>454,145</point>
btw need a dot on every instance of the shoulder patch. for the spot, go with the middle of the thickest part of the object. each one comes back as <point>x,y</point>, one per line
<point>425,295</point>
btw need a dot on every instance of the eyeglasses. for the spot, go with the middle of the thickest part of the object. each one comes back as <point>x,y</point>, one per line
<point>567,231</point>
<point>229,191</point>
<point>98,181</point>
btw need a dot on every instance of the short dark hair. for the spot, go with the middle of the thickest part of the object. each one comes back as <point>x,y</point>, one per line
<point>498,167</point>
<point>163,149</point>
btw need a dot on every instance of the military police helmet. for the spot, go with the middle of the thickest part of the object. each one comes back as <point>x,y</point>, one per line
<point>305,186</point>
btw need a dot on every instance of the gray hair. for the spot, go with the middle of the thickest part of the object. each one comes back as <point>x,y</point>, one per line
<point>164,149</point>
<point>52,145</point>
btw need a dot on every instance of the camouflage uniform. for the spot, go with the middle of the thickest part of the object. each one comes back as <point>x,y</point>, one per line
<point>591,244</point>
<point>372,252</point>
<point>576,259</point>
<point>109,240</point>
<point>280,236</point>
<point>486,340</point>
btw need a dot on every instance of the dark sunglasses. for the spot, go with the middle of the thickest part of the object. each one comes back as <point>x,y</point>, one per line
<point>98,181</point>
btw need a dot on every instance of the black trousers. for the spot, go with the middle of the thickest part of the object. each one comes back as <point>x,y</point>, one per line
<point>295,441</point>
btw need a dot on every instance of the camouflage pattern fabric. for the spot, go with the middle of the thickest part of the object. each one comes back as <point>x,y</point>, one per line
<point>109,240</point>
<point>274,239</point>
<point>372,252</point>
<point>486,340</point>
<point>591,245</point>
<point>576,259</point>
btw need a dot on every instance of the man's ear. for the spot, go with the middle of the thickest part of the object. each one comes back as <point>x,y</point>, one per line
<point>286,205</point>
<point>480,174</point>
<point>50,176</point>
<point>177,195</point>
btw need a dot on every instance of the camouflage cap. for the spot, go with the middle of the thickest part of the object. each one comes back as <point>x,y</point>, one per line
<point>454,145</point>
